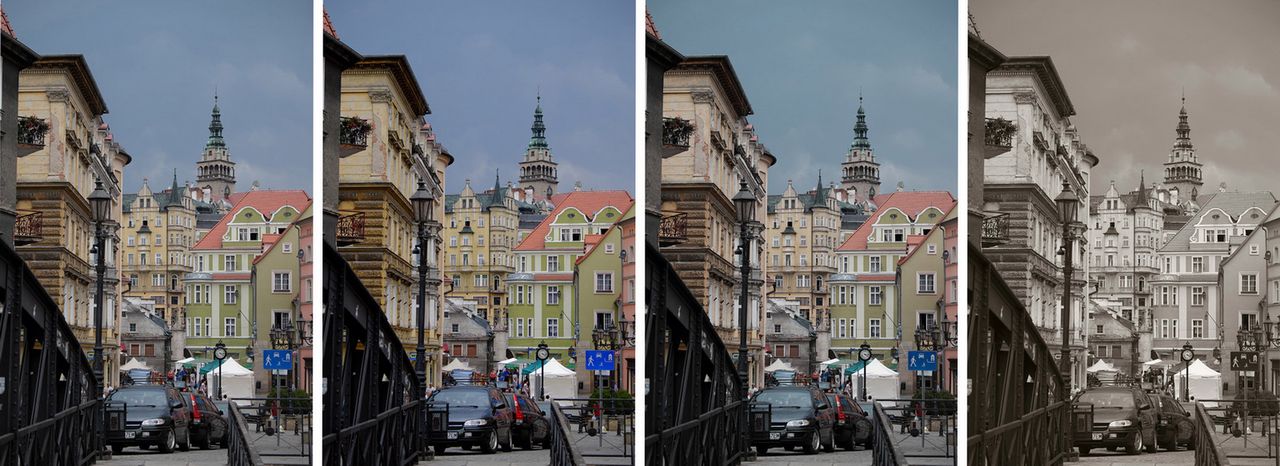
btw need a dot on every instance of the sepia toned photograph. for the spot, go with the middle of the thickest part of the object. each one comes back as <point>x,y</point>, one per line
<point>1122,228</point>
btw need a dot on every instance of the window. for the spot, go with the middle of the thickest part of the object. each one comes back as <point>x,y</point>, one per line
<point>875,296</point>
<point>519,294</point>
<point>1197,296</point>
<point>229,326</point>
<point>1197,264</point>
<point>553,295</point>
<point>553,263</point>
<point>875,328</point>
<point>1102,351</point>
<point>925,282</point>
<point>1248,283</point>
<point>1197,328</point>
<point>1098,330</point>
<point>230,293</point>
<point>520,326</point>
<point>841,329</point>
<point>157,279</point>
<point>553,328</point>
<point>280,282</point>
<point>529,326</point>
<point>604,282</point>
<point>875,264</point>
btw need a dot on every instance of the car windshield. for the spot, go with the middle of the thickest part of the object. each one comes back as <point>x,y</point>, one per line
<point>785,398</point>
<point>472,398</point>
<point>1117,400</point>
<point>154,398</point>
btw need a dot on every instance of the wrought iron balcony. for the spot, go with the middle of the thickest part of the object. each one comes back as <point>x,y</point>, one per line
<point>31,133</point>
<point>350,229</point>
<point>353,135</point>
<point>675,135</point>
<point>999,136</point>
<point>1039,140</point>
<point>995,230</point>
<point>28,229</point>
<point>673,229</point>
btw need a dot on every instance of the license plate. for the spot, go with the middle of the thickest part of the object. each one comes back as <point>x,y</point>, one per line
<point>1097,435</point>
<point>130,434</point>
<point>453,435</point>
<point>775,435</point>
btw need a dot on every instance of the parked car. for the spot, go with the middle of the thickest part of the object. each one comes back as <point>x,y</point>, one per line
<point>478,417</point>
<point>530,423</point>
<point>1174,426</point>
<point>154,415</point>
<point>800,416</point>
<point>1122,417</point>
<point>208,424</point>
<point>853,426</point>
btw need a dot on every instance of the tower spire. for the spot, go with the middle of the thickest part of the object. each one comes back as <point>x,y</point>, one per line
<point>539,138</point>
<point>215,125</point>
<point>860,140</point>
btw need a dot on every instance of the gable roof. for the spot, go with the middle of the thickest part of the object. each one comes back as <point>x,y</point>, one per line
<point>1234,204</point>
<point>587,202</point>
<point>265,201</point>
<point>910,202</point>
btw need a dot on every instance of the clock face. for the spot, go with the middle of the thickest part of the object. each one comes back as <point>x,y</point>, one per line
<point>1187,355</point>
<point>864,354</point>
<point>220,353</point>
<point>543,353</point>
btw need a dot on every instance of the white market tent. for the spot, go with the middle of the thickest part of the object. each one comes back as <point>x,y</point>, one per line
<point>1203,383</point>
<point>882,382</point>
<point>134,363</point>
<point>1104,371</point>
<point>456,364</point>
<point>824,364</point>
<point>561,382</point>
<point>185,360</point>
<point>779,365</point>
<point>507,361</point>
<point>237,381</point>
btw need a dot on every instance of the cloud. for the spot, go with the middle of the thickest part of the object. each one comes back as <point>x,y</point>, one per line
<point>1229,139</point>
<point>1244,81</point>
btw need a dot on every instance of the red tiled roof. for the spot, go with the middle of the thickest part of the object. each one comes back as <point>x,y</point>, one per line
<point>588,202</point>
<point>267,202</point>
<point>649,27</point>
<point>910,202</point>
<point>328,25</point>
<point>932,232</point>
<point>4,24</point>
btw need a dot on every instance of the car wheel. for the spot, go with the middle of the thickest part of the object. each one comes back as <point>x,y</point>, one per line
<point>203,442</point>
<point>815,442</point>
<point>526,441</point>
<point>440,449</point>
<point>761,450</point>
<point>1084,451</point>
<point>506,446</point>
<point>1111,448</point>
<point>1136,445</point>
<point>1152,447</point>
<point>491,443</point>
<point>186,442</point>
<point>170,441</point>
<point>116,449</point>
<point>830,444</point>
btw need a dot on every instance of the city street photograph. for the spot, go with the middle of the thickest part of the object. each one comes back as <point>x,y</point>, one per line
<point>479,232</point>
<point>155,233</point>
<point>1128,317</point>
<point>800,232</point>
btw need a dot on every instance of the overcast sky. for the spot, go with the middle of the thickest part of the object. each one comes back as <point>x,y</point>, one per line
<point>1124,64</point>
<point>157,63</point>
<point>802,64</point>
<point>481,64</point>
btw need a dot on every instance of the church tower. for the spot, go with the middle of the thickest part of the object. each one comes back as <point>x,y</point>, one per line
<point>1184,170</point>
<point>861,172</point>
<point>215,171</point>
<point>538,170</point>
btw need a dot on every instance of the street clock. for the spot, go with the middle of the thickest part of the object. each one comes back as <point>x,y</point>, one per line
<point>1188,354</point>
<point>864,354</point>
<point>220,352</point>
<point>543,354</point>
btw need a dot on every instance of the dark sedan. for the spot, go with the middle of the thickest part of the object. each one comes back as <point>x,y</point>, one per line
<point>799,417</point>
<point>853,426</point>
<point>1174,426</point>
<point>208,424</point>
<point>530,425</point>
<point>154,415</point>
<point>478,417</point>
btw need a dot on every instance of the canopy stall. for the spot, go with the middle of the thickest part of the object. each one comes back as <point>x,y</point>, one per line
<point>882,382</point>
<point>1203,383</point>
<point>235,379</point>
<point>561,383</point>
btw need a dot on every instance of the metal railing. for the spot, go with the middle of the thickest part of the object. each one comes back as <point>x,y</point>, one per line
<point>239,451</point>
<point>350,229</point>
<point>882,446</point>
<point>563,451</point>
<point>32,131</point>
<point>1207,451</point>
<point>999,136</point>
<point>353,133</point>
<point>373,401</point>
<point>932,420</point>
<point>675,135</point>
<point>995,230</point>
<point>49,409</point>
<point>673,229</point>
<point>695,413</point>
<point>1017,412</point>
<point>611,421</point>
<point>274,417</point>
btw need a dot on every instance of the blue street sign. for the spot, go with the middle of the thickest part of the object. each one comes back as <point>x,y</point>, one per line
<point>277,360</point>
<point>599,360</point>
<point>922,361</point>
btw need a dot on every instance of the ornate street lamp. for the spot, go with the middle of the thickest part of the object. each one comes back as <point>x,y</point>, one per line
<point>864,355</point>
<point>423,210</point>
<point>219,353</point>
<point>1068,205</point>
<point>745,202</point>
<point>100,202</point>
<point>543,354</point>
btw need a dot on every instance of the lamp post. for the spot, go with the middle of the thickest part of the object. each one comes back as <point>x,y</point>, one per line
<point>1068,205</point>
<point>219,353</point>
<point>1187,354</point>
<point>543,354</point>
<point>423,209</point>
<point>100,202</point>
<point>745,202</point>
<point>864,355</point>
